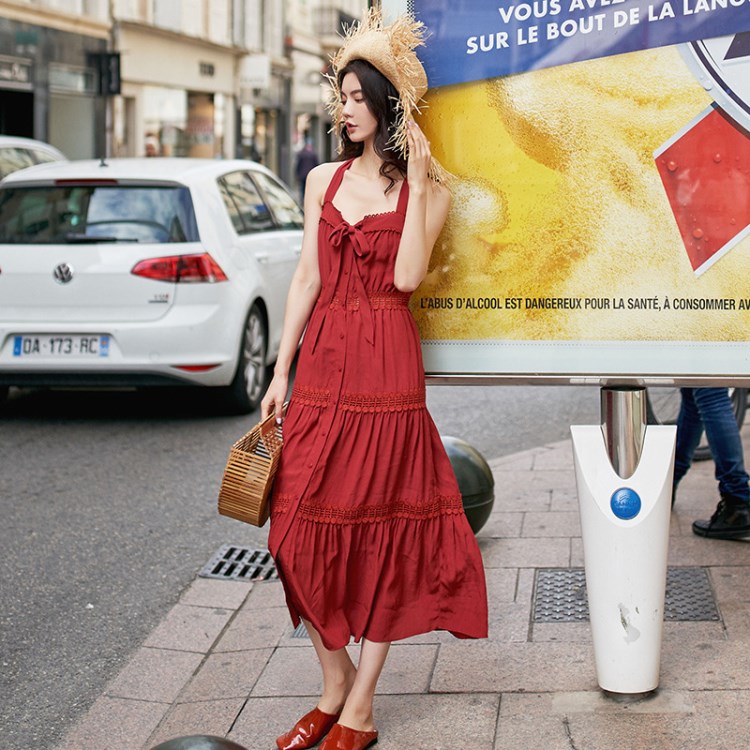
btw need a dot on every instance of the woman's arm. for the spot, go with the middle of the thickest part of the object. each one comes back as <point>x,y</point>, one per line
<point>303,291</point>
<point>425,215</point>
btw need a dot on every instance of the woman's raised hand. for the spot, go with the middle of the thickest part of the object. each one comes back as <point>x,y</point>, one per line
<point>419,156</point>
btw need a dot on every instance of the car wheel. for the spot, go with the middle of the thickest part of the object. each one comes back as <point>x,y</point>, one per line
<point>246,390</point>
<point>3,394</point>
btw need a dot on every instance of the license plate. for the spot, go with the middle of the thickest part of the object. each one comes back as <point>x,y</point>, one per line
<point>49,345</point>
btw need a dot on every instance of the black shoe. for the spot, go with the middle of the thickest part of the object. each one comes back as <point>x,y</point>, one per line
<point>730,521</point>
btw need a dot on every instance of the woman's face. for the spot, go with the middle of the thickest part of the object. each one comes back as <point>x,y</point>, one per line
<point>358,120</point>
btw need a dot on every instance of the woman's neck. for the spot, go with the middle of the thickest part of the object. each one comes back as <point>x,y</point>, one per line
<point>368,163</point>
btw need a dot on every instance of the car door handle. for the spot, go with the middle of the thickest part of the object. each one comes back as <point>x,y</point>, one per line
<point>298,251</point>
<point>262,257</point>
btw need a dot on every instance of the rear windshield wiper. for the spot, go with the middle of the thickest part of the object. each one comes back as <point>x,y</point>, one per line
<point>82,239</point>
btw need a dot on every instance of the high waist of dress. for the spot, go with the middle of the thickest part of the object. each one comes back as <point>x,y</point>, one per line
<point>376,301</point>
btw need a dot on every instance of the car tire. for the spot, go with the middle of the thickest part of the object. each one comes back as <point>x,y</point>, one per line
<point>248,386</point>
<point>3,394</point>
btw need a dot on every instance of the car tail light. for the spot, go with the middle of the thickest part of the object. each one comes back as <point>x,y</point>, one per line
<point>181,269</point>
<point>195,368</point>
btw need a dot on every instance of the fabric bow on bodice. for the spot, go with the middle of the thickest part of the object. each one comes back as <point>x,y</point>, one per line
<point>342,237</point>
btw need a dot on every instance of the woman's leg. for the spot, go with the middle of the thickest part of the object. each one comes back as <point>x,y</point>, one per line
<point>339,673</point>
<point>357,713</point>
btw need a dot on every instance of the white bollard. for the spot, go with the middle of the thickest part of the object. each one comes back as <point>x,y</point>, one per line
<point>625,529</point>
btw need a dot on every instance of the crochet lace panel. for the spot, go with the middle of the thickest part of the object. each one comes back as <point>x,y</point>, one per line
<point>373,403</point>
<point>378,301</point>
<point>383,402</point>
<point>439,505</point>
<point>315,397</point>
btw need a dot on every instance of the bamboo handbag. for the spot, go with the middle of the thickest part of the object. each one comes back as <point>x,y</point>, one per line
<point>248,477</point>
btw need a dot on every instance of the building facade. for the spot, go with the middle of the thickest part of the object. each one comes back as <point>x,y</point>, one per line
<point>314,34</point>
<point>177,70</point>
<point>49,73</point>
<point>203,78</point>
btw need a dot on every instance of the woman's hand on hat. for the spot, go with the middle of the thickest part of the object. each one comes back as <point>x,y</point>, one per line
<point>419,156</point>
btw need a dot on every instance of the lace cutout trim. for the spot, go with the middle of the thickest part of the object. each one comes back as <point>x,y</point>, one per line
<point>383,402</point>
<point>388,300</point>
<point>440,505</point>
<point>378,301</point>
<point>310,396</point>
<point>362,402</point>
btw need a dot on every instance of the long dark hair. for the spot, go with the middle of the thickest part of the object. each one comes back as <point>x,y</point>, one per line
<point>381,98</point>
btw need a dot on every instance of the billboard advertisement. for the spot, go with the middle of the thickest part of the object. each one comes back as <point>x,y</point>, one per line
<point>601,210</point>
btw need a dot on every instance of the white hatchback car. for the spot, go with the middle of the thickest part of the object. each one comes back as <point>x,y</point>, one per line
<point>141,272</point>
<point>19,153</point>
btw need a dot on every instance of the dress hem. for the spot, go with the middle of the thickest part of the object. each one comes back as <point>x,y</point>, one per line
<point>399,636</point>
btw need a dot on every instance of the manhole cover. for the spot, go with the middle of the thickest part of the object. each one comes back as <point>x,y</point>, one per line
<point>560,596</point>
<point>238,563</point>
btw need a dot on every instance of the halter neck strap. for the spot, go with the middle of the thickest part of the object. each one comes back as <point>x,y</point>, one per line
<point>338,176</point>
<point>335,182</point>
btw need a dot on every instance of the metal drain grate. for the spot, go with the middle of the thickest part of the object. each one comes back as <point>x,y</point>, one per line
<point>560,596</point>
<point>300,631</point>
<point>237,563</point>
<point>689,596</point>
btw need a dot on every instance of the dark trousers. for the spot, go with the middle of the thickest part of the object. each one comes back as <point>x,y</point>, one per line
<point>711,409</point>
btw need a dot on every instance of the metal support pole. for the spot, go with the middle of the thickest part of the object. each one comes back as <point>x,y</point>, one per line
<point>623,416</point>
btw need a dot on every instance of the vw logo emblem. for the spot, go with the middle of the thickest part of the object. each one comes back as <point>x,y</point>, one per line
<point>63,273</point>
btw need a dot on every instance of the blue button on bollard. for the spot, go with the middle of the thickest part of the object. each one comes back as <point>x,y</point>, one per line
<point>625,503</point>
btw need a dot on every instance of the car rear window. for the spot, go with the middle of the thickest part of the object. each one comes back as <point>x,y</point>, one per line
<point>72,213</point>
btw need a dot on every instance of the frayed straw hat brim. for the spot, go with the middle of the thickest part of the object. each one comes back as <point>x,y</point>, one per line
<point>389,49</point>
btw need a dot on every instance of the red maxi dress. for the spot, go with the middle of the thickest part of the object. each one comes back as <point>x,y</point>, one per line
<point>367,524</point>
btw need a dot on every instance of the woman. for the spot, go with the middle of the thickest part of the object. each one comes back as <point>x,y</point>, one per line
<point>367,523</point>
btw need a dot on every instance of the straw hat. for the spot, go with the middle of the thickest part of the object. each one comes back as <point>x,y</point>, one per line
<point>390,49</point>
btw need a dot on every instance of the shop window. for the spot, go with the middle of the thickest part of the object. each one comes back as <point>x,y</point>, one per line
<point>165,113</point>
<point>182,123</point>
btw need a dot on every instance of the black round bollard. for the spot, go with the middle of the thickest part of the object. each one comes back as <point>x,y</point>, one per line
<point>199,742</point>
<point>474,478</point>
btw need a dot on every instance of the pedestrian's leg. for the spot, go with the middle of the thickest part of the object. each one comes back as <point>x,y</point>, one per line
<point>732,517</point>
<point>689,431</point>
<point>723,436</point>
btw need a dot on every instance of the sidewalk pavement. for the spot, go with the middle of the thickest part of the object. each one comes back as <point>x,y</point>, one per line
<point>224,662</point>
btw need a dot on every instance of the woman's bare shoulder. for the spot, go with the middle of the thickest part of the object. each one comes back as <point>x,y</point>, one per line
<point>323,172</point>
<point>319,178</point>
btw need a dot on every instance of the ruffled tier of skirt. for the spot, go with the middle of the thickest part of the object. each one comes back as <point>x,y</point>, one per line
<point>386,580</point>
<point>367,525</point>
